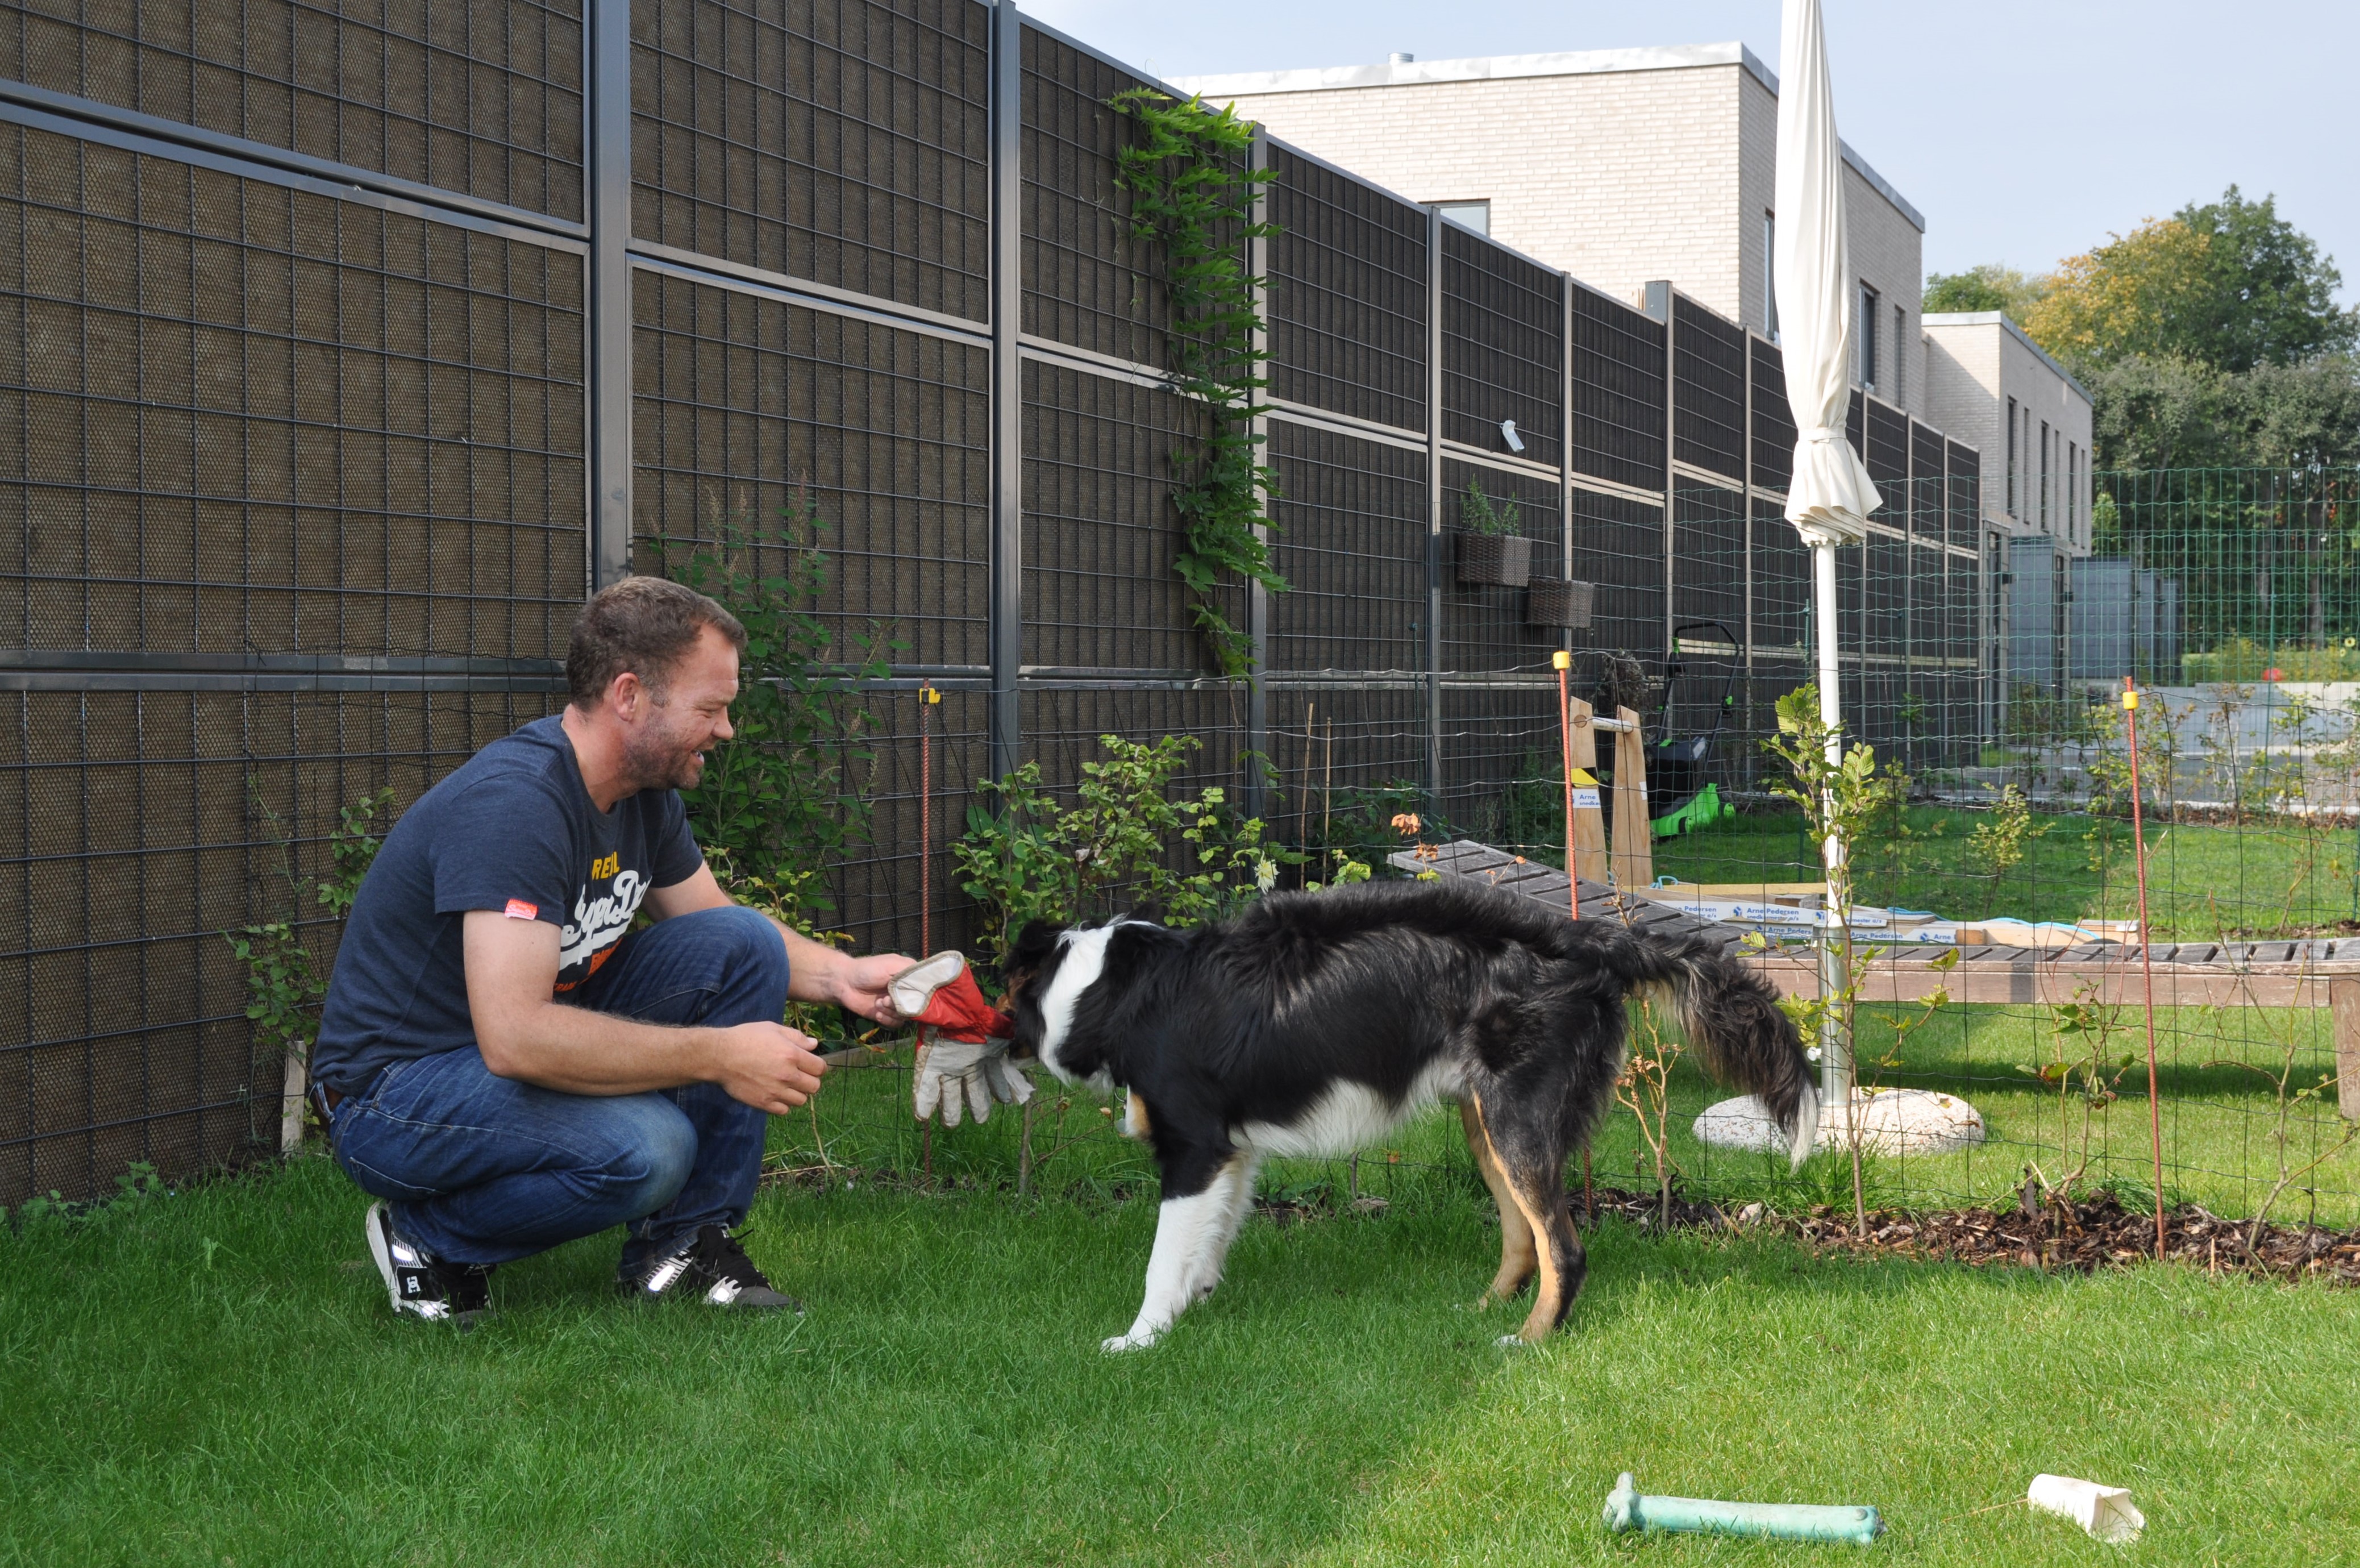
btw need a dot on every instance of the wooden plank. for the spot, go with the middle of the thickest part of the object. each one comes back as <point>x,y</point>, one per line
<point>2344,1001</point>
<point>1633,855</point>
<point>1589,859</point>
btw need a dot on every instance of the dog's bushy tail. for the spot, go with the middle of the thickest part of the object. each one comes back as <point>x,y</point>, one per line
<point>1732,1018</point>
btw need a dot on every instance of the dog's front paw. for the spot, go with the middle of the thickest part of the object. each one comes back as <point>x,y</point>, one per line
<point>1132,1341</point>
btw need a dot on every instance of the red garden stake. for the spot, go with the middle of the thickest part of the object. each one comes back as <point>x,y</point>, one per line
<point>2147,957</point>
<point>1564,662</point>
<point>927,698</point>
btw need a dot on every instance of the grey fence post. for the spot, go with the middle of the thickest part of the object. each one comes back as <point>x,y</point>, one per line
<point>1007,606</point>
<point>1257,782</point>
<point>1434,550</point>
<point>607,113</point>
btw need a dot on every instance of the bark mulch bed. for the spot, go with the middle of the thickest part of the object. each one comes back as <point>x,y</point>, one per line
<point>2066,1236</point>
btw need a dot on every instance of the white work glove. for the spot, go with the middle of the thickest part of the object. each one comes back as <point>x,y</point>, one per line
<point>961,1043</point>
<point>957,1076</point>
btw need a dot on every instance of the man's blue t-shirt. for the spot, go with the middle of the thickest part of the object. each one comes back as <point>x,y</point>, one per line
<point>513,830</point>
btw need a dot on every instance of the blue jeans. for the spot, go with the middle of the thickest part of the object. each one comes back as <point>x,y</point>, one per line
<point>480,1168</point>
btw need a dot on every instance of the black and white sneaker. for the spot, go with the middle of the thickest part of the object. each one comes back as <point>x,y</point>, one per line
<point>713,1267</point>
<point>422,1285</point>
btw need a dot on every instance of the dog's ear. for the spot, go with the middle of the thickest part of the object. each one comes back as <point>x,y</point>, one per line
<point>1034,945</point>
<point>1151,912</point>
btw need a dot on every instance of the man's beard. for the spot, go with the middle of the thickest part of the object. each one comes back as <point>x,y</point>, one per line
<point>657,760</point>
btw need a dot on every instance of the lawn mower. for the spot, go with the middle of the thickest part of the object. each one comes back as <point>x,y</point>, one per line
<point>1675,768</point>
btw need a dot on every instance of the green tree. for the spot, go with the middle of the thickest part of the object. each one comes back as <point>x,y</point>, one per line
<point>2268,296</point>
<point>1986,287</point>
<point>2208,338</point>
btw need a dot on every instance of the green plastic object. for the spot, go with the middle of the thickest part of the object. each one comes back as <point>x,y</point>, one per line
<point>1627,1510</point>
<point>1701,809</point>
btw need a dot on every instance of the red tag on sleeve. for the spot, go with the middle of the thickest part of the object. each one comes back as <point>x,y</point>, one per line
<point>518,909</point>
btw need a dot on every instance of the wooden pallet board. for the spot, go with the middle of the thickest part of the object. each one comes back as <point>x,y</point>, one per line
<point>2186,974</point>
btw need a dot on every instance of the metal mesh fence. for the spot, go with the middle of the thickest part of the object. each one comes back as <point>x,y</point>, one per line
<point>251,421</point>
<point>328,452</point>
<point>1710,369</point>
<point>484,99</point>
<point>750,409</point>
<point>1347,299</point>
<point>1502,348</point>
<point>847,143</point>
<point>1618,393</point>
<point>1352,544</point>
<point>1087,281</point>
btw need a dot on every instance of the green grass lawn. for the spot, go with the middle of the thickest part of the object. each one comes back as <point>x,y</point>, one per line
<point>2205,881</point>
<point>2220,1126</point>
<point>213,1378</point>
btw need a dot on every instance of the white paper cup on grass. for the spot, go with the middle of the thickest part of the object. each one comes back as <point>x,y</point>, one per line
<point>2105,1511</point>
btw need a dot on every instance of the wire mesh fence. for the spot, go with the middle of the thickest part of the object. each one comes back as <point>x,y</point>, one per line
<point>300,415</point>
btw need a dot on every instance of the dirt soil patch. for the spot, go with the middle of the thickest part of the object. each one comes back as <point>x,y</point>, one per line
<point>2078,1236</point>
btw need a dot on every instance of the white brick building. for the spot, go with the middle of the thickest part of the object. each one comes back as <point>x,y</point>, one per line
<point>1992,386</point>
<point>1618,166</point>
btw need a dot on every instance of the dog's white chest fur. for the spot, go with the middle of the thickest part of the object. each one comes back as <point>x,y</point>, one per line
<point>1084,960</point>
<point>1348,1117</point>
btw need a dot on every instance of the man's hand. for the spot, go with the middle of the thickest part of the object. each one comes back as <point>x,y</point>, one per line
<point>767,1066</point>
<point>857,985</point>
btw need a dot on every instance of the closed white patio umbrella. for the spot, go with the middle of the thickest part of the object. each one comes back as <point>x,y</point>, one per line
<point>1829,496</point>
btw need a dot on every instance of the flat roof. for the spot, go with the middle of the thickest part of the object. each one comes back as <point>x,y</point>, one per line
<point>2001,318</point>
<point>1490,68</point>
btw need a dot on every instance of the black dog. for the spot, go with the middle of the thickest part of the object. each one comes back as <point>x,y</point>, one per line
<point>1313,1024</point>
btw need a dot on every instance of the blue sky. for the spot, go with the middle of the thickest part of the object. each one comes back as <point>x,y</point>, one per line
<point>2023,131</point>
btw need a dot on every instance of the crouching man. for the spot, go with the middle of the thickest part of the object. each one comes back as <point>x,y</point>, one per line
<point>504,1062</point>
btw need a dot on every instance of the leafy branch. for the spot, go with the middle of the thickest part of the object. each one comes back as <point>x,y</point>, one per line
<point>1192,193</point>
<point>790,789</point>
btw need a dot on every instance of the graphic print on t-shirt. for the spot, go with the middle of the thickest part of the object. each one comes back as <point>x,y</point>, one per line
<point>598,923</point>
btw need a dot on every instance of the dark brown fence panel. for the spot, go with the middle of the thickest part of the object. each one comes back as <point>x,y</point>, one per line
<point>1087,281</point>
<point>1099,530</point>
<point>1618,544</point>
<point>1352,544</point>
<point>1484,627</point>
<point>748,407</point>
<point>1500,781</point>
<point>1709,363</point>
<point>136,828</point>
<point>1347,295</point>
<point>1502,348</point>
<point>241,419</point>
<point>1774,434</point>
<point>844,141</point>
<point>1618,393</point>
<point>484,98</point>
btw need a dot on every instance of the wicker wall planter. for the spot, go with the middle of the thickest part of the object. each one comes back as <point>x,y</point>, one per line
<point>1553,601</point>
<point>1504,560</point>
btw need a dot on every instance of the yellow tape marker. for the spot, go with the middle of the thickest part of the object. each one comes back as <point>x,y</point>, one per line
<point>1561,660</point>
<point>2130,700</point>
<point>1583,777</point>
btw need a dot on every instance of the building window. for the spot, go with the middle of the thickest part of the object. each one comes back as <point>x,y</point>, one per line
<point>1476,216</point>
<point>2044,478</point>
<point>1770,273</point>
<point>2011,459</point>
<point>1900,355</point>
<point>2077,515</point>
<point>1867,338</point>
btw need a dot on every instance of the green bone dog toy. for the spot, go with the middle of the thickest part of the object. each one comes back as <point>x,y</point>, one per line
<point>1627,1510</point>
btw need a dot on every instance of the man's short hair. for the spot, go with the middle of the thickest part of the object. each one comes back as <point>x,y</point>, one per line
<point>642,626</point>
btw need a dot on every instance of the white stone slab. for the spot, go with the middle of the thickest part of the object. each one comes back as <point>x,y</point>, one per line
<point>1890,1120</point>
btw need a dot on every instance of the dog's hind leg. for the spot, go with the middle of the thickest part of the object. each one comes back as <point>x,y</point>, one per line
<point>1531,1157</point>
<point>1517,1257</point>
<point>1192,1238</point>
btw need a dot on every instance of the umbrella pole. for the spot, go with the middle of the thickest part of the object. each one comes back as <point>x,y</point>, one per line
<point>1835,1042</point>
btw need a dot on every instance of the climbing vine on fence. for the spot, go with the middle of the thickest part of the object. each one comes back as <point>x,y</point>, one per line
<point>1191,191</point>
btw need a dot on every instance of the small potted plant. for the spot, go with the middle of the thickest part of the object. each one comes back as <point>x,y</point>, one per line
<point>1556,601</point>
<point>1490,549</point>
